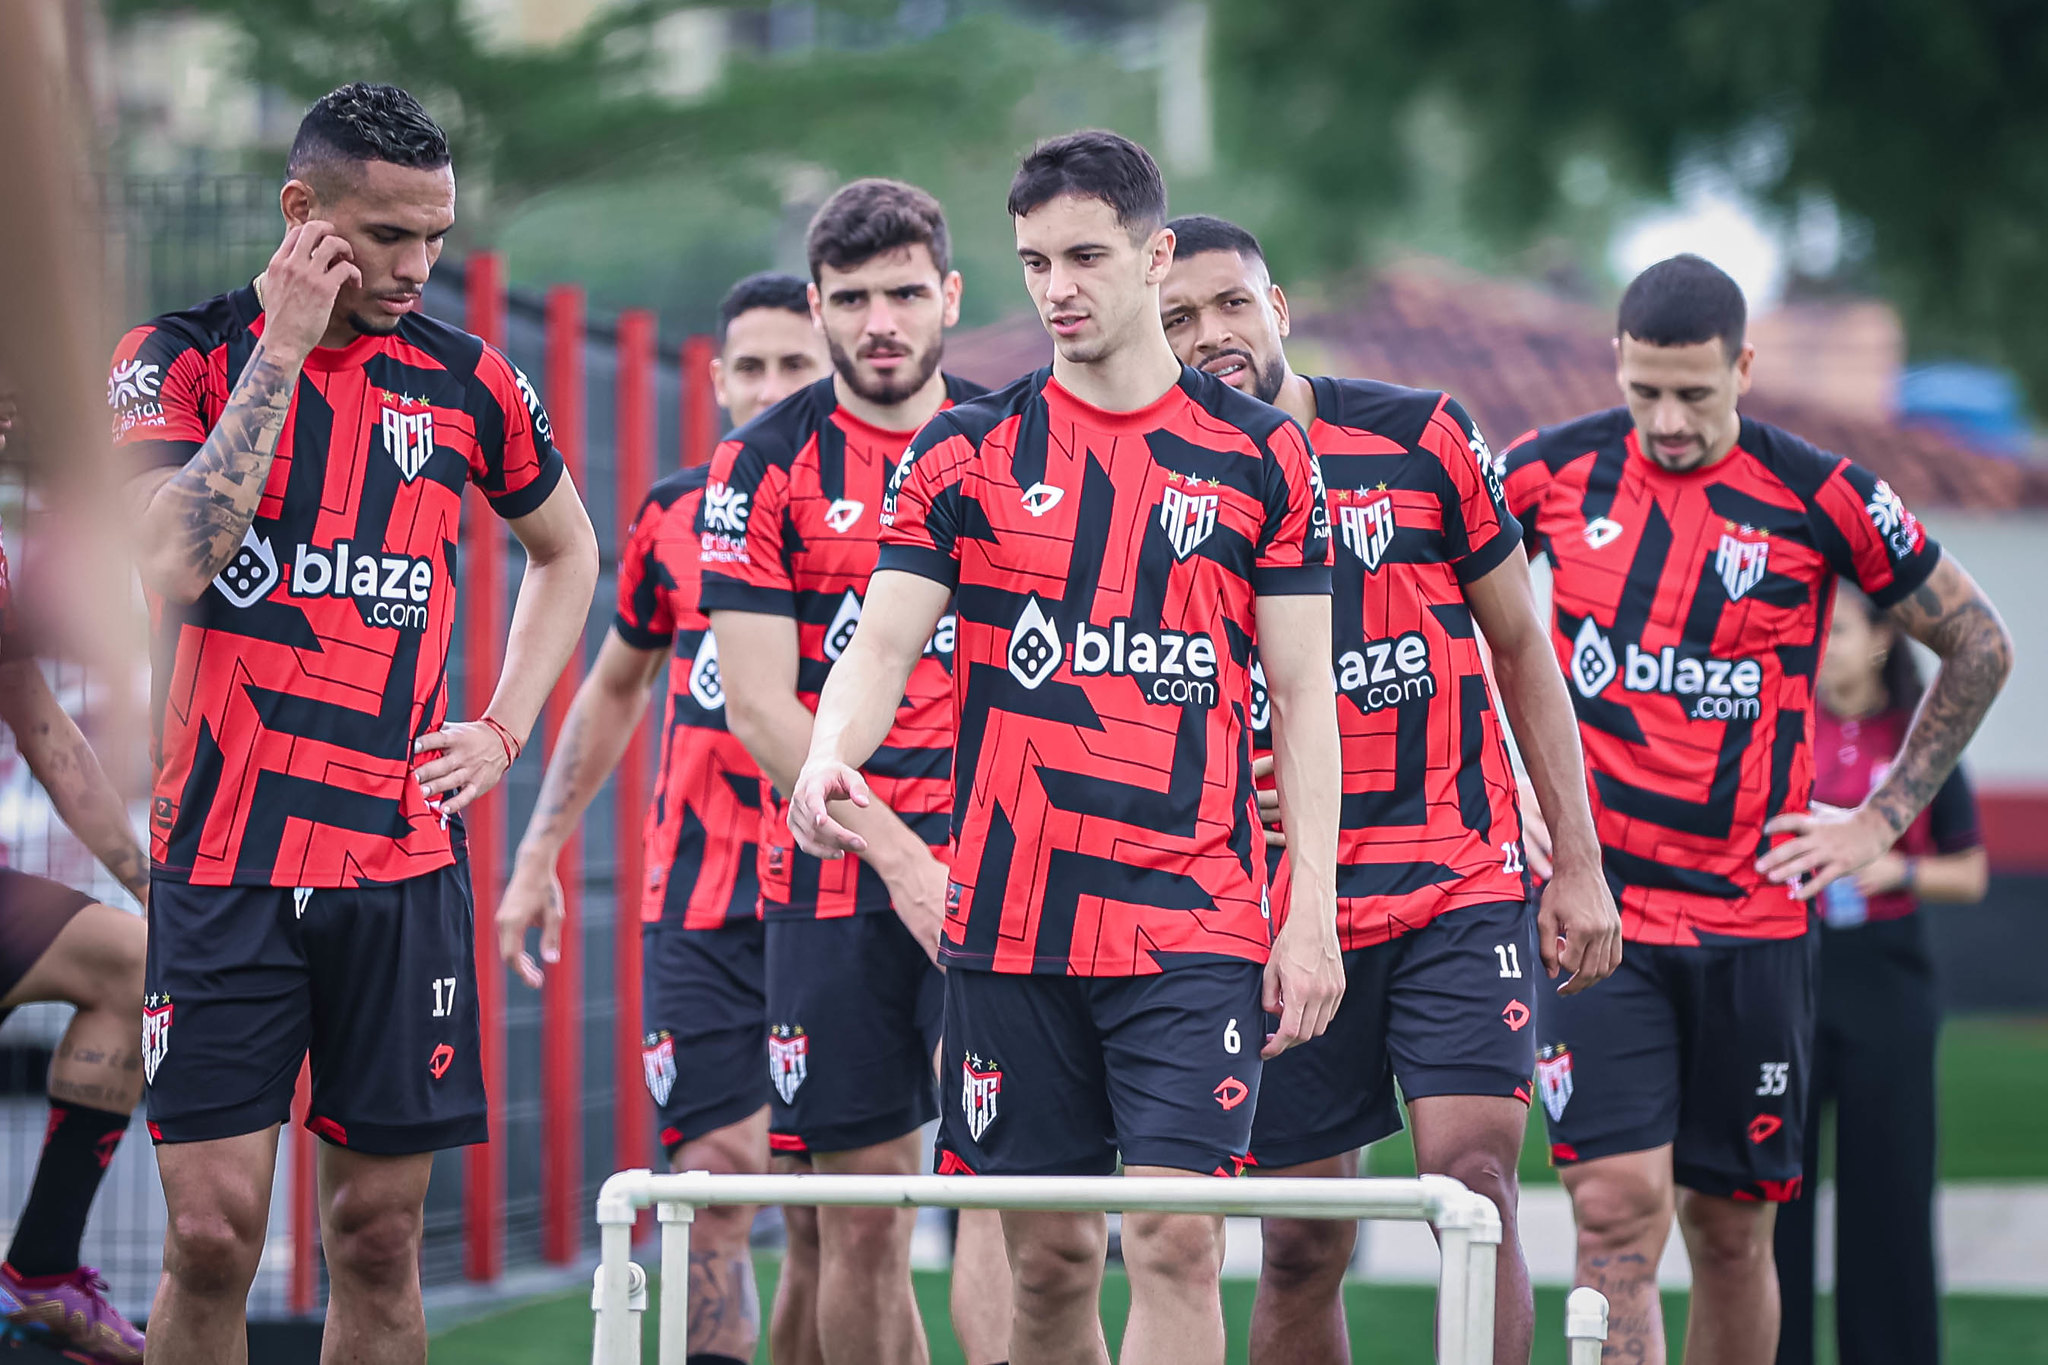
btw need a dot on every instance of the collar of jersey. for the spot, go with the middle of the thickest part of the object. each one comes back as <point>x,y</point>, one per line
<point>329,358</point>
<point>1060,399</point>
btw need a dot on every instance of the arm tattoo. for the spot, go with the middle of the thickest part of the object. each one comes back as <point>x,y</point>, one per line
<point>211,501</point>
<point>1951,616</point>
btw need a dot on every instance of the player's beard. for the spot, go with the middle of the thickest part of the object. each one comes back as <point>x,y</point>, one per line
<point>893,389</point>
<point>1266,382</point>
<point>368,326</point>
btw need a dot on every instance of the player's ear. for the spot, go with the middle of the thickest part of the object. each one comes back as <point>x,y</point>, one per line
<point>298,202</point>
<point>817,302</point>
<point>1280,318</point>
<point>1744,358</point>
<point>949,290</point>
<point>1159,256</point>
<point>718,382</point>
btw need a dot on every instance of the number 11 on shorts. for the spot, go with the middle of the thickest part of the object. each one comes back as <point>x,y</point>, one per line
<point>1510,959</point>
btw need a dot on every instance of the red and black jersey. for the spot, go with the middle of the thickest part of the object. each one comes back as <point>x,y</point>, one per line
<point>1105,568</point>
<point>1429,819</point>
<point>704,825</point>
<point>287,698</point>
<point>790,526</point>
<point>1689,611</point>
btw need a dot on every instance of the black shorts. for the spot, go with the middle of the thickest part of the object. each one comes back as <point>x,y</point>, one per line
<point>705,1021</point>
<point>377,983</point>
<point>1057,1075</point>
<point>853,1015</point>
<point>33,911</point>
<point>1447,1009</point>
<point>1706,1048</point>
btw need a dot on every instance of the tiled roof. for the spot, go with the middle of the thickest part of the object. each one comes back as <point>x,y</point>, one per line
<point>1518,356</point>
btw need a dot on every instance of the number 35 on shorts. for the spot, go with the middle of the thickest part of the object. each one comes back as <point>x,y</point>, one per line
<point>1773,1078</point>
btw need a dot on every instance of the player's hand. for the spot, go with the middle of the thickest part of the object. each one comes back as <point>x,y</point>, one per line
<point>918,891</point>
<point>472,759</point>
<point>1269,802</point>
<point>1578,930</point>
<point>1536,848</point>
<point>301,283</point>
<point>1888,873</point>
<point>1304,980</point>
<point>532,896</point>
<point>1828,842</point>
<point>810,819</point>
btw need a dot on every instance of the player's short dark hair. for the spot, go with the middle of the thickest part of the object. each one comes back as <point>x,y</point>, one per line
<point>1196,233</point>
<point>868,217</point>
<point>1683,301</point>
<point>364,122</point>
<point>768,289</point>
<point>1093,164</point>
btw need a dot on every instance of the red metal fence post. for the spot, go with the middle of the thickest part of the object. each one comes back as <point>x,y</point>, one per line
<point>636,438</point>
<point>562,1215</point>
<point>483,555</point>
<point>700,404</point>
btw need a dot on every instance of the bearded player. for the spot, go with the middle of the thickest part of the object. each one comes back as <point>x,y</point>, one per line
<point>1694,555</point>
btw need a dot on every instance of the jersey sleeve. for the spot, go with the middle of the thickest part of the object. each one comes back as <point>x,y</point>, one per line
<point>921,509</point>
<point>1522,473</point>
<point>642,617</point>
<point>1952,816</point>
<point>157,398</point>
<point>1294,542</point>
<point>1479,530</point>
<point>739,527</point>
<point>516,465</point>
<point>1869,537</point>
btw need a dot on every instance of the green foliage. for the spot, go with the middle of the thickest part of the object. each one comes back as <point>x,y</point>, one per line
<point>1920,118</point>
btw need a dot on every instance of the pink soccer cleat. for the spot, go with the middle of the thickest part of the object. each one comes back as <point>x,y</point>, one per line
<point>70,1313</point>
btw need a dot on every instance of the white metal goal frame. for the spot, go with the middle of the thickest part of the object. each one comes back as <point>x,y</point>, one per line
<point>1467,1226</point>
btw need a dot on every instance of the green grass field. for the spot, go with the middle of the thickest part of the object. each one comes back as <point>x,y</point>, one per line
<point>1994,1093</point>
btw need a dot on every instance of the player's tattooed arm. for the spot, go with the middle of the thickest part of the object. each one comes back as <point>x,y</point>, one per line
<point>1951,615</point>
<point>58,755</point>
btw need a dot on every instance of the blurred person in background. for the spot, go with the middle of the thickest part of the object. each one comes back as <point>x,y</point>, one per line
<point>1879,1017</point>
<point>301,447</point>
<point>705,1050</point>
<point>60,945</point>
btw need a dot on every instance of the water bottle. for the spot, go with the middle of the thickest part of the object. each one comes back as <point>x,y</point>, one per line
<point>1842,904</point>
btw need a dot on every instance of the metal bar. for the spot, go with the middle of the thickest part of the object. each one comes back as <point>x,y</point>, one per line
<point>1585,1324</point>
<point>672,1329</point>
<point>483,1165</point>
<point>561,1050</point>
<point>700,405</point>
<point>636,438</point>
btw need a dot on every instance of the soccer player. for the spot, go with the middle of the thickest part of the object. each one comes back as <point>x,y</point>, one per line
<point>1694,555</point>
<point>789,526</point>
<point>307,440</point>
<point>705,1049</point>
<point>1119,531</point>
<point>1440,936</point>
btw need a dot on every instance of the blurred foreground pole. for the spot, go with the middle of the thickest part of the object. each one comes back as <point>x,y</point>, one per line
<point>483,635</point>
<point>700,404</point>
<point>562,1214</point>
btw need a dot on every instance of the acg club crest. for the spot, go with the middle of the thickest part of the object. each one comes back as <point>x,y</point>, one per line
<point>1554,1078</point>
<point>658,1061</point>
<point>1187,518</point>
<point>1740,560</point>
<point>1368,530</point>
<point>408,433</point>
<point>981,1082</point>
<point>156,1033</point>
<point>789,1059</point>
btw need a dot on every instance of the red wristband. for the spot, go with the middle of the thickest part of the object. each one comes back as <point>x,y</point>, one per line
<point>513,748</point>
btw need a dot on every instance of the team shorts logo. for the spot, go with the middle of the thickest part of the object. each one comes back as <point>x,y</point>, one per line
<point>156,1032</point>
<point>1387,672</point>
<point>725,509</point>
<point>789,1059</point>
<point>1041,498</point>
<point>1900,528</point>
<point>843,513</point>
<point>1554,1078</point>
<point>439,1060</point>
<point>1764,1127</point>
<point>1170,667</point>
<point>408,433</point>
<point>1262,700</point>
<point>1515,1015</point>
<point>839,634</point>
<point>1187,518</point>
<point>251,574</point>
<point>707,685</point>
<point>1741,562</point>
<point>658,1062</point>
<point>1368,530</point>
<point>1034,645</point>
<point>1601,532</point>
<point>542,427</point>
<point>1230,1092</point>
<point>1592,660</point>
<point>980,1084</point>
